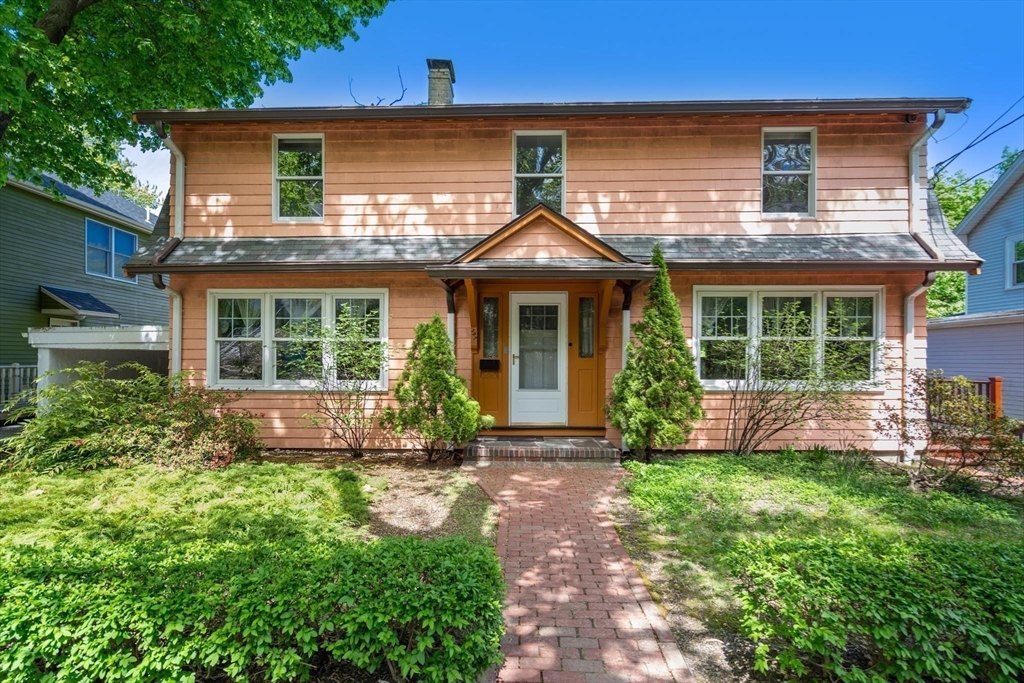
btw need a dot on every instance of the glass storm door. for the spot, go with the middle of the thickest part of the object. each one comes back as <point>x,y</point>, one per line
<point>538,383</point>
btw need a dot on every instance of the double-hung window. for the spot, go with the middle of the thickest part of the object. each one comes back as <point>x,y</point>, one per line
<point>262,339</point>
<point>1014,262</point>
<point>787,172</point>
<point>107,249</point>
<point>787,334</point>
<point>298,177</point>
<point>539,174</point>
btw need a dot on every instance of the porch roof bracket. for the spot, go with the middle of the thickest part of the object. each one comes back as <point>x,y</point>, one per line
<point>607,287</point>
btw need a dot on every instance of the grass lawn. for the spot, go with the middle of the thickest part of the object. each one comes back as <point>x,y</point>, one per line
<point>244,571</point>
<point>685,517</point>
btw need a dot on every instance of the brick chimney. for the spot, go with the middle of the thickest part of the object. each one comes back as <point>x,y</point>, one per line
<point>440,77</point>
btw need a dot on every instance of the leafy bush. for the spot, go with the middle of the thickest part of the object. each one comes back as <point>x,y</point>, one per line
<point>341,365</point>
<point>96,420</point>
<point>874,609</point>
<point>280,611</point>
<point>656,398</point>
<point>961,435</point>
<point>434,405</point>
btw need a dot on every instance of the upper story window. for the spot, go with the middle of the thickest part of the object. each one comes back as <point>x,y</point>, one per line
<point>787,171</point>
<point>107,248</point>
<point>299,177</point>
<point>539,171</point>
<point>1014,262</point>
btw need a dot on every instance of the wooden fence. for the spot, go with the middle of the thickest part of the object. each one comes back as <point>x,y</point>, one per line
<point>990,389</point>
<point>14,379</point>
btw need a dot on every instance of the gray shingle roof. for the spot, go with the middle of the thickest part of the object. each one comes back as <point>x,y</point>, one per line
<point>942,237</point>
<point>108,201</point>
<point>416,252</point>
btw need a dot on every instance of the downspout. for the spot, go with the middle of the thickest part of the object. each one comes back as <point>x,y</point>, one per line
<point>449,295</point>
<point>177,229</point>
<point>910,300</point>
<point>627,303</point>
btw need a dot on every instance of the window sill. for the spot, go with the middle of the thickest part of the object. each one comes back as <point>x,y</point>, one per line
<point>780,217</point>
<point>111,278</point>
<point>296,221</point>
<point>711,387</point>
<point>280,388</point>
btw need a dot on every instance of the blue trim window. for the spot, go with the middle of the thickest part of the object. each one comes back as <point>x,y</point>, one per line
<point>107,249</point>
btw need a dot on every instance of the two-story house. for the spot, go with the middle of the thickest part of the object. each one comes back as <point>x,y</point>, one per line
<point>531,227</point>
<point>61,265</point>
<point>988,340</point>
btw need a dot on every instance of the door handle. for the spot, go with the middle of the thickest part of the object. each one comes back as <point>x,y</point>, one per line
<point>514,356</point>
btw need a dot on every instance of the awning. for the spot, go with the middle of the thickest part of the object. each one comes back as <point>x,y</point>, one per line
<point>78,303</point>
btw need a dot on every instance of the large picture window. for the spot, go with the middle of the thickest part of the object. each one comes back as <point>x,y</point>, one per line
<point>786,334</point>
<point>257,337</point>
<point>107,249</point>
<point>787,171</point>
<point>298,178</point>
<point>539,171</point>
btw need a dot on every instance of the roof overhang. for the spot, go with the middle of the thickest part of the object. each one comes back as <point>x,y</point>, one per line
<point>140,338</point>
<point>79,304</point>
<point>105,215</point>
<point>892,105</point>
<point>998,190</point>
<point>282,267</point>
<point>495,269</point>
<point>823,265</point>
<point>977,320</point>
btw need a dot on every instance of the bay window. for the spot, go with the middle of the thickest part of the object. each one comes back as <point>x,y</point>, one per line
<point>261,339</point>
<point>786,334</point>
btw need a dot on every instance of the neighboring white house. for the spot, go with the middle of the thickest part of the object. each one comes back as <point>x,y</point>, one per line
<point>988,340</point>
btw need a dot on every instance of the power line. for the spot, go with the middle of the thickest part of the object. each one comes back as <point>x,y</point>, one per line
<point>944,164</point>
<point>995,165</point>
<point>941,166</point>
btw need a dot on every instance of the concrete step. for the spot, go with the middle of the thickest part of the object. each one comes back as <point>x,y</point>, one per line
<point>500,449</point>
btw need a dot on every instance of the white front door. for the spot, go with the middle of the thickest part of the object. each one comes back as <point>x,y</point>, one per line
<point>539,380</point>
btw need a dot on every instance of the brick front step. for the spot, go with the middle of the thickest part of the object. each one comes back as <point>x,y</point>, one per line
<point>541,449</point>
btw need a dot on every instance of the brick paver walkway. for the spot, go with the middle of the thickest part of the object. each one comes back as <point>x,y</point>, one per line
<point>576,611</point>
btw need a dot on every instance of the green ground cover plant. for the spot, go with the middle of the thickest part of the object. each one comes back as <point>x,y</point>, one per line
<point>251,572</point>
<point>104,418</point>
<point>839,574</point>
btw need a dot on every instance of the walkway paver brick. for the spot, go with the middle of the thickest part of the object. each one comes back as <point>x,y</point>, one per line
<point>577,611</point>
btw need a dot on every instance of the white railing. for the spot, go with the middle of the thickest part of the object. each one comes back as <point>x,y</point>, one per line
<point>14,379</point>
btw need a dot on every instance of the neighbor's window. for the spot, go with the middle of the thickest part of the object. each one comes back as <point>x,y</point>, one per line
<point>787,172</point>
<point>1015,262</point>
<point>786,335</point>
<point>262,339</point>
<point>107,249</point>
<point>539,171</point>
<point>298,178</point>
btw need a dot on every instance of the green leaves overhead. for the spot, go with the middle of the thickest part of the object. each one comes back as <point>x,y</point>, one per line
<point>75,71</point>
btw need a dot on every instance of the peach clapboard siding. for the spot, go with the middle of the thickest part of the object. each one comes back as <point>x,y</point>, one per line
<point>698,175</point>
<point>710,433</point>
<point>413,298</point>
<point>540,240</point>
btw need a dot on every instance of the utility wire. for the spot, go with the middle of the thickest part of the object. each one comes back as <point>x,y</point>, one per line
<point>937,170</point>
<point>941,166</point>
<point>995,165</point>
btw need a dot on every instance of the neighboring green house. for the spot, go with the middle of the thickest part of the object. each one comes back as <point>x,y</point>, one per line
<point>60,263</point>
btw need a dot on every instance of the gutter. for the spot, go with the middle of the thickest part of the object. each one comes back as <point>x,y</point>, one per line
<point>909,301</point>
<point>177,230</point>
<point>892,105</point>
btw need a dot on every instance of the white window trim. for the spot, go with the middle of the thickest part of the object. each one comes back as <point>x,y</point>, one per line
<point>277,218</point>
<point>812,184</point>
<point>64,322</point>
<point>819,295</point>
<point>1010,262</point>
<point>112,275</point>
<point>268,383</point>
<point>516,176</point>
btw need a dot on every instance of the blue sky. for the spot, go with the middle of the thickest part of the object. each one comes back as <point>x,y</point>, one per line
<point>558,51</point>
